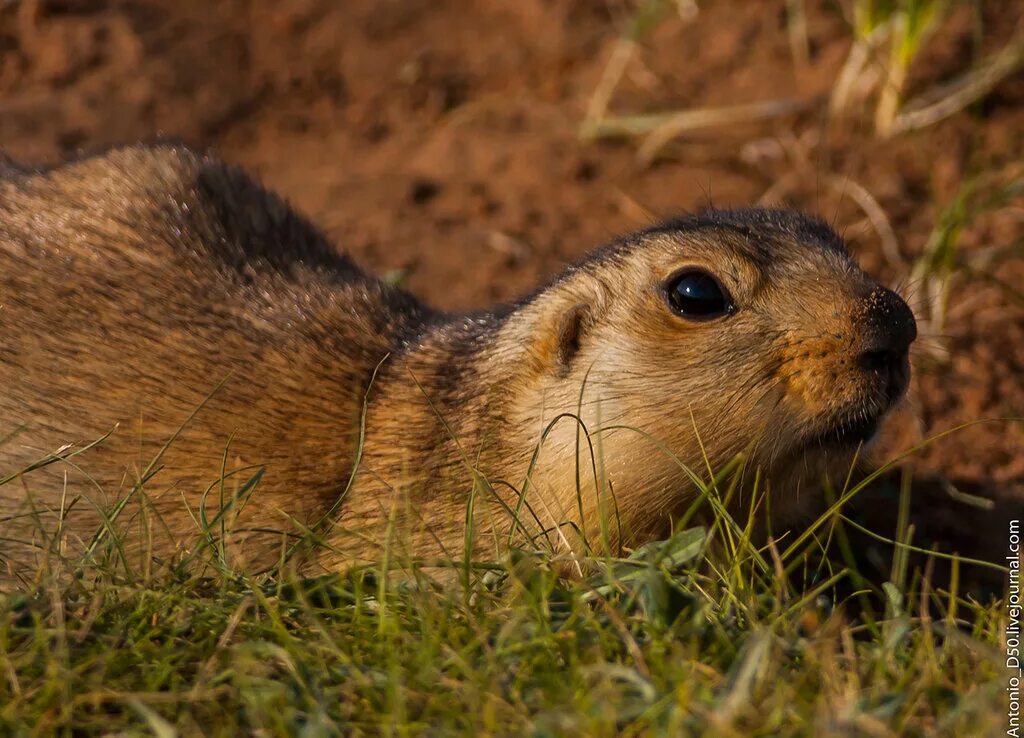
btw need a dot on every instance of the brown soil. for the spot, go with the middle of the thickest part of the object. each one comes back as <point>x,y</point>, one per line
<point>439,138</point>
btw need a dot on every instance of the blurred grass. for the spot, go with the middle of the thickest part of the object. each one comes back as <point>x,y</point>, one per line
<point>942,262</point>
<point>887,39</point>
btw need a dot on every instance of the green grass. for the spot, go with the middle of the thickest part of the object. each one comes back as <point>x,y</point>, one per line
<point>702,634</point>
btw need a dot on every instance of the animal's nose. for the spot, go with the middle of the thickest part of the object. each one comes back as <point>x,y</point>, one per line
<point>889,329</point>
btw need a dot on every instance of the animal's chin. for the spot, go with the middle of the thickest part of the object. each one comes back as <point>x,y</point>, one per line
<point>846,433</point>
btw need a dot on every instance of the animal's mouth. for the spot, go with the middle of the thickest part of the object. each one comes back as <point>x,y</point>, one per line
<point>847,433</point>
<point>858,424</point>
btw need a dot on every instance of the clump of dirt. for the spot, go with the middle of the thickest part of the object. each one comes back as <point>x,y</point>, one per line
<point>440,138</point>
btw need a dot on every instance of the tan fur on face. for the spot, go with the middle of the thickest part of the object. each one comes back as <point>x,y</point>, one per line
<point>135,284</point>
<point>759,381</point>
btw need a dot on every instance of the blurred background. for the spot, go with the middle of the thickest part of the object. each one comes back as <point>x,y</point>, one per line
<point>469,149</point>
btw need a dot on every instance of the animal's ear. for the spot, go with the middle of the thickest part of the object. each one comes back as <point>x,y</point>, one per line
<point>573,326</point>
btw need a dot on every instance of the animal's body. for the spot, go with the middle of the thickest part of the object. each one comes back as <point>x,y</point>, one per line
<point>150,295</point>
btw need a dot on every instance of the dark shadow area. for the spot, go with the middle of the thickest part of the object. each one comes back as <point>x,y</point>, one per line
<point>949,516</point>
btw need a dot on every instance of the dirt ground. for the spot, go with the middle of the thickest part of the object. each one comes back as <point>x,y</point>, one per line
<point>440,138</point>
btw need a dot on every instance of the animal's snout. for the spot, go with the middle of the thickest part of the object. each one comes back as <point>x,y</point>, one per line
<point>889,330</point>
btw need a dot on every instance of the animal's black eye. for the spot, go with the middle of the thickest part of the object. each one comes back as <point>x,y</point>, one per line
<point>695,294</point>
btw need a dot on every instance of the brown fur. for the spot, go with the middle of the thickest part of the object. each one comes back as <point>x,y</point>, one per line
<point>136,284</point>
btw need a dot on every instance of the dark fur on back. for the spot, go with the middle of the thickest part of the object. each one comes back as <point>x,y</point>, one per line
<point>135,283</point>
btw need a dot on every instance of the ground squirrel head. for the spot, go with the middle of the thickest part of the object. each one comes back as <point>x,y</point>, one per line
<point>728,332</point>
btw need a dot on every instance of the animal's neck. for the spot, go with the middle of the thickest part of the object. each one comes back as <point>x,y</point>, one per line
<point>432,432</point>
<point>476,399</point>
<point>433,398</point>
